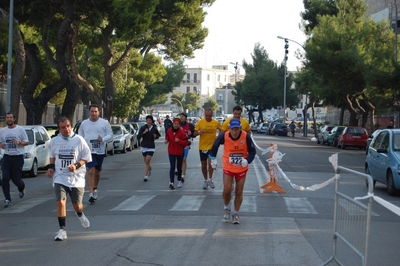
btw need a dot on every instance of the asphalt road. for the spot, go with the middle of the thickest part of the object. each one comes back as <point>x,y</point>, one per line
<point>144,223</point>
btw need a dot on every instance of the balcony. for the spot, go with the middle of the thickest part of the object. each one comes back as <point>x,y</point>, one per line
<point>189,81</point>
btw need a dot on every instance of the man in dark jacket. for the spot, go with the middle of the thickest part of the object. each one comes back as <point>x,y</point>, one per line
<point>167,124</point>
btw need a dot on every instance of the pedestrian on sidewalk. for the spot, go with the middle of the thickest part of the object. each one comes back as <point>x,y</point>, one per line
<point>292,127</point>
<point>68,153</point>
<point>13,138</point>
<point>177,140</point>
<point>148,133</point>
<point>96,131</point>
<point>206,128</point>
<point>239,151</point>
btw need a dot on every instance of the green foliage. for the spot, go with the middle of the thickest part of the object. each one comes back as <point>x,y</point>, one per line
<point>211,104</point>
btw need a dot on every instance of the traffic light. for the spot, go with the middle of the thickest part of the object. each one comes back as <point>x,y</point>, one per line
<point>286,49</point>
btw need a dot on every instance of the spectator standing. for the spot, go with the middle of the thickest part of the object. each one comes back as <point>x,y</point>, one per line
<point>167,124</point>
<point>96,131</point>
<point>206,128</point>
<point>237,113</point>
<point>148,133</point>
<point>390,125</point>
<point>239,151</point>
<point>68,154</point>
<point>292,127</point>
<point>177,140</point>
<point>13,138</point>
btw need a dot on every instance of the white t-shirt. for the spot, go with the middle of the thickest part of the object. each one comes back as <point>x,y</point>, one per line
<point>66,152</point>
<point>7,135</point>
<point>90,131</point>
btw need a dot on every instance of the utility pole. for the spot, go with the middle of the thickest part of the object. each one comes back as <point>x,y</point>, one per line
<point>9,63</point>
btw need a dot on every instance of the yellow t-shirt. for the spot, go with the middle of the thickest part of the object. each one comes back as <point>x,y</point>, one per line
<point>244,122</point>
<point>209,135</point>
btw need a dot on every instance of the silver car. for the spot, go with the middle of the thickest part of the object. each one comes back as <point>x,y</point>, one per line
<point>121,138</point>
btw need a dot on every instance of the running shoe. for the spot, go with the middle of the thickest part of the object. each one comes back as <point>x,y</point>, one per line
<point>211,183</point>
<point>7,203</point>
<point>22,194</point>
<point>227,216</point>
<point>91,198</point>
<point>149,172</point>
<point>179,184</point>
<point>61,235</point>
<point>235,218</point>
<point>95,194</point>
<point>205,185</point>
<point>145,179</point>
<point>84,221</point>
<point>171,186</point>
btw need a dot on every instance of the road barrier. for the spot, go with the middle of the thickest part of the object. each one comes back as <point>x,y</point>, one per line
<point>352,219</point>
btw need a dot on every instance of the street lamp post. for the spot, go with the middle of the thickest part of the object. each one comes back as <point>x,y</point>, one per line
<point>235,67</point>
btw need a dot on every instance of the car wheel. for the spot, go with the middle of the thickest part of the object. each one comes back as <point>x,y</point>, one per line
<point>112,151</point>
<point>343,146</point>
<point>34,170</point>
<point>366,179</point>
<point>106,150</point>
<point>335,144</point>
<point>391,189</point>
<point>136,144</point>
<point>318,141</point>
<point>123,148</point>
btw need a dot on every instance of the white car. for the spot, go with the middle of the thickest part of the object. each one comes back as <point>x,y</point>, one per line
<point>121,138</point>
<point>37,151</point>
<point>133,132</point>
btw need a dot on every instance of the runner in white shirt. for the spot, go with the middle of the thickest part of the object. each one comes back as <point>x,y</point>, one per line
<point>13,138</point>
<point>96,131</point>
<point>68,153</point>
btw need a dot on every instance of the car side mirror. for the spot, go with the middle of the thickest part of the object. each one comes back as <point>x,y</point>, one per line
<point>40,142</point>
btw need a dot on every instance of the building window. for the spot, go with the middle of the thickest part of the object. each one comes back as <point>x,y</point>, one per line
<point>195,77</point>
<point>219,97</point>
<point>188,77</point>
<point>187,89</point>
<point>195,89</point>
<point>208,77</point>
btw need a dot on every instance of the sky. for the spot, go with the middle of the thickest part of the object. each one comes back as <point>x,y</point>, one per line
<point>235,26</point>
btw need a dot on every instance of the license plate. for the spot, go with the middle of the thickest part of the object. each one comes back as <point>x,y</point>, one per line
<point>356,137</point>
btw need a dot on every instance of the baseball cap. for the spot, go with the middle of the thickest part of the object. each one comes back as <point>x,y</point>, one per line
<point>184,114</point>
<point>234,123</point>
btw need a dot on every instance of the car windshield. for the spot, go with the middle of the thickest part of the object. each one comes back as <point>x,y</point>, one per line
<point>116,130</point>
<point>30,136</point>
<point>396,142</point>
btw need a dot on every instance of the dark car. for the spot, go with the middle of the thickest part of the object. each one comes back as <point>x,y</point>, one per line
<point>323,133</point>
<point>279,129</point>
<point>334,135</point>
<point>353,137</point>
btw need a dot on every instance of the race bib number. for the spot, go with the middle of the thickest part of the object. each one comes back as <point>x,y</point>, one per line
<point>10,145</point>
<point>95,144</point>
<point>235,158</point>
<point>65,160</point>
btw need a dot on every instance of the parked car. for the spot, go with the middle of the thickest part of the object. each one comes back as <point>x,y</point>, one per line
<point>52,129</point>
<point>271,126</point>
<point>333,136</point>
<point>383,160</point>
<point>262,128</point>
<point>37,151</point>
<point>109,145</point>
<point>370,138</point>
<point>254,126</point>
<point>280,130</point>
<point>121,137</point>
<point>322,136</point>
<point>353,137</point>
<point>133,133</point>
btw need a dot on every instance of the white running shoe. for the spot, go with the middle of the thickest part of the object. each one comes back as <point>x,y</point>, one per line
<point>95,194</point>
<point>179,184</point>
<point>227,216</point>
<point>61,235</point>
<point>235,218</point>
<point>84,221</point>
<point>211,183</point>
<point>205,185</point>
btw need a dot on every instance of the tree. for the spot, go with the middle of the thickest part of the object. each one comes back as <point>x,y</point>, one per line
<point>211,104</point>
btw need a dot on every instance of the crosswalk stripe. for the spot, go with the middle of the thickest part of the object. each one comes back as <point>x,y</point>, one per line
<point>248,204</point>
<point>134,203</point>
<point>25,205</point>
<point>299,205</point>
<point>188,203</point>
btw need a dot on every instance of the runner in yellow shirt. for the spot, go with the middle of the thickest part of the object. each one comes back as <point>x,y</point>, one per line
<point>207,128</point>
<point>237,113</point>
